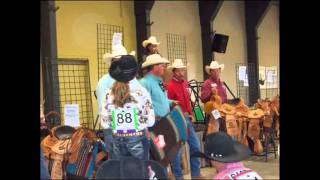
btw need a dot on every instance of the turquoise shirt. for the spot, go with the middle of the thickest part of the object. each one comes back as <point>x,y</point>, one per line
<point>159,98</point>
<point>105,82</point>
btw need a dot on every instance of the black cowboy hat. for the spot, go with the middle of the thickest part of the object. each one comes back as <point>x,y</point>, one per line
<point>221,147</point>
<point>130,168</point>
<point>124,69</point>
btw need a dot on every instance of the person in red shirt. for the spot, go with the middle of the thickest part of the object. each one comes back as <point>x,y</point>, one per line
<point>178,90</point>
<point>213,84</point>
<point>178,87</point>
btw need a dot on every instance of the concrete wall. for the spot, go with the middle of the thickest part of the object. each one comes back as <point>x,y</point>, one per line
<point>77,30</point>
<point>268,43</point>
<point>230,21</point>
<point>180,17</point>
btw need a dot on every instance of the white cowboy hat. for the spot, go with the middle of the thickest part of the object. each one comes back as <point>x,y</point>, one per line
<point>214,65</point>
<point>154,59</point>
<point>177,63</point>
<point>117,51</point>
<point>151,40</point>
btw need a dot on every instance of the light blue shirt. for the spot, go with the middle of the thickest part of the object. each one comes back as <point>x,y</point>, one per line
<point>105,83</point>
<point>160,100</point>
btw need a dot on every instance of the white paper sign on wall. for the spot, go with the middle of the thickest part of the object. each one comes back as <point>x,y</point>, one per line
<point>242,72</point>
<point>71,115</point>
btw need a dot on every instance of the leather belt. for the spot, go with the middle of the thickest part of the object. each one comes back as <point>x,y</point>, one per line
<point>139,133</point>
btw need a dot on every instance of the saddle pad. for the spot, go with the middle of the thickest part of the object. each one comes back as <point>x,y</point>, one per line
<point>76,141</point>
<point>174,129</point>
<point>84,166</point>
<point>168,129</point>
<point>177,116</point>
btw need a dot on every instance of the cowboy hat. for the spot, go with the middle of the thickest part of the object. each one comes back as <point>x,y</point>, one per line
<point>125,69</point>
<point>214,65</point>
<point>130,168</point>
<point>220,147</point>
<point>177,63</point>
<point>151,40</point>
<point>154,59</point>
<point>117,51</point>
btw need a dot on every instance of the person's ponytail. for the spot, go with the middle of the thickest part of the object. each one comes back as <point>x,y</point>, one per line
<point>121,93</point>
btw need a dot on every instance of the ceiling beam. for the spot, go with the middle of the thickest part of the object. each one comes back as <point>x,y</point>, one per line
<point>142,11</point>
<point>48,56</point>
<point>208,10</point>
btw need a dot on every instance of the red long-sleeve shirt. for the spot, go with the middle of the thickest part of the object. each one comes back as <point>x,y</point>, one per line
<point>206,91</point>
<point>178,90</point>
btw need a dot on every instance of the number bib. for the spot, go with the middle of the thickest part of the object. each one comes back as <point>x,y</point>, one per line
<point>125,120</point>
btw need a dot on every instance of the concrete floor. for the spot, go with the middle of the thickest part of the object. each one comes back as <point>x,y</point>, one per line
<point>268,170</point>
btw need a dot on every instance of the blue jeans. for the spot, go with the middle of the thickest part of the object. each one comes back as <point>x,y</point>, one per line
<point>194,144</point>
<point>44,173</point>
<point>108,140</point>
<point>137,147</point>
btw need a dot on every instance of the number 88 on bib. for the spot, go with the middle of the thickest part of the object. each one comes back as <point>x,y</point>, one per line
<point>125,120</point>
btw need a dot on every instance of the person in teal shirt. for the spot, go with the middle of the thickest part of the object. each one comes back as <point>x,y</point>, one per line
<point>152,81</point>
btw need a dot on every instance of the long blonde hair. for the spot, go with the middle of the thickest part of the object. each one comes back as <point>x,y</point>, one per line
<point>121,94</point>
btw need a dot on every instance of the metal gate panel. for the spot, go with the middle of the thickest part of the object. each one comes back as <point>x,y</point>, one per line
<point>74,81</point>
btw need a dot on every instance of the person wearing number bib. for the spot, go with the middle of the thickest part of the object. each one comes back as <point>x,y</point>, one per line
<point>226,156</point>
<point>178,90</point>
<point>128,111</point>
<point>106,82</point>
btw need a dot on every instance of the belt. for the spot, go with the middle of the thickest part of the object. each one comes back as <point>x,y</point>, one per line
<point>139,133</point>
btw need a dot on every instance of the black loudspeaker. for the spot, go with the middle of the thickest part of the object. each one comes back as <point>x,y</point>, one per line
<point>220,42</point>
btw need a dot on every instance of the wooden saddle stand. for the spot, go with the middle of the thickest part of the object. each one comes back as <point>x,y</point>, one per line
<point>242,123</point>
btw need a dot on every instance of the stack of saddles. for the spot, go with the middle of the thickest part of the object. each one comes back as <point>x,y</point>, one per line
<point>73,152</point>
<point>241,122</point>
